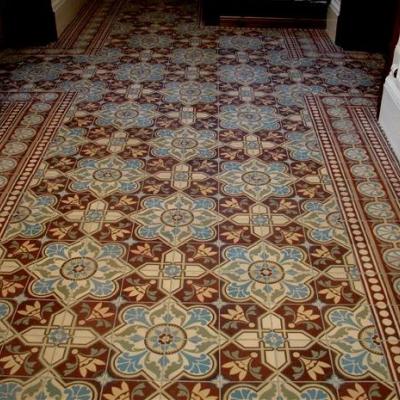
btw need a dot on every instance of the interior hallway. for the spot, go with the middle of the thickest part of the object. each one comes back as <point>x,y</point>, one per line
<point>194,213</point>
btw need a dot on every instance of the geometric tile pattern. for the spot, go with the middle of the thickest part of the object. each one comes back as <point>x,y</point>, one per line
<point>195,212</point>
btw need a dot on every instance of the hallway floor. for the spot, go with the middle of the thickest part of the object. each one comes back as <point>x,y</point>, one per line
<point>195,214</point>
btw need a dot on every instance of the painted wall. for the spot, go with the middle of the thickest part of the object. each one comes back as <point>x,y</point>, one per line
<point>389,117</point>
<point>332,18</point>
<point>65,11</point>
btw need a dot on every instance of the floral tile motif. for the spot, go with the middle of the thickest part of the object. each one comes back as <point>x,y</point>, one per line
<point>54,340</point>
<point>173,270</point>
<point>278,346</point>
<point>244,74</point>
<point>92,219</point>
<point>184,144</point>
<point>256,179</point>
<point>67,142</point>
<point>165,341</point>
<point>5,313</point>
<point>194,56</point>
<point>29,220</point>
<point>341,282</point>
<point>38,72</point>
<point>121,388</point>
<point>190,92</point>
<point>140,72</point>
<point>88,90</point>
<point>195,213</point>
<point>176,219</point>
<point>266,274</point>
<point>188,389</point>
<point>46,386</point>
<point>353,335</point>
<point>72,272</point>
<point>127,115</point>
<point>293,95</point>
<point>150,41</point>
<point>349,390</point>
<point>346,77</point>
<point>108,175</point>
<point>249,118</point>
<point>325,221</point>
<point>182,177</point>
<point>303,147</point>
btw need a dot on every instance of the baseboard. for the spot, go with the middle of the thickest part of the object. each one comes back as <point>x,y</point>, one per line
<point>332,19</point>
<point>273,22</point>
<point>389,117</point>
<point>65,11</point>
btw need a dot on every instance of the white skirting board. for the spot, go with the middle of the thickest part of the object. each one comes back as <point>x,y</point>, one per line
<point>389,117</point>
<point>65,11</point>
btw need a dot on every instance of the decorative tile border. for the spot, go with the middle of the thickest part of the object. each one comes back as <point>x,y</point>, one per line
<point>27,128</point>
<point>361,228</point>
<point>308,43</point>
<point>70,35</point>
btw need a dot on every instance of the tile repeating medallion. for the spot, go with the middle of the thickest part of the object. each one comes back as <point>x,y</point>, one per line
<point>266,274</point>
<point>75,271</point>
<point>243,74</point>
<point>87,90</point>
<point>29,220</point>
<point>194,56</point>
<point>256,179</point>
<point>195,213</point>
<point>46,386</point>
<point>325,221</point>
<point>140,72</point>
<point>239,42</point>
<point>107,175</point>
<point>165,341</point>
<point>346,77</point>
<point>190,93</point>
<point>184,144</point>
<point>38,72</point>
<point>249,118</point>
<point>150,41</point>
<point>177,218</point>
<point>356,339</point>
<point>127,115</point>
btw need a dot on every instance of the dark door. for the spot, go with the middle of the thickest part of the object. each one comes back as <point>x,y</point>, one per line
<point>366,25</point>
<point>27,22</point>
<point>305,13</point>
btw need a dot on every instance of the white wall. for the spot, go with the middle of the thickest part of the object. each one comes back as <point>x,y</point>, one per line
<point>332,18</point>
<point>65,11</point>
<point>389,117</point>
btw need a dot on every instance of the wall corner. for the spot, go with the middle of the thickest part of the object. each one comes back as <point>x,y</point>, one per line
<point>332,19</point>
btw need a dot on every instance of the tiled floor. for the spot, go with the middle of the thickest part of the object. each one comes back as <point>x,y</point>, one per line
<point>195,214</point>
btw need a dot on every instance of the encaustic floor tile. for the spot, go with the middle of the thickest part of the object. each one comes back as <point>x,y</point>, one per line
<point>195,213</point>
